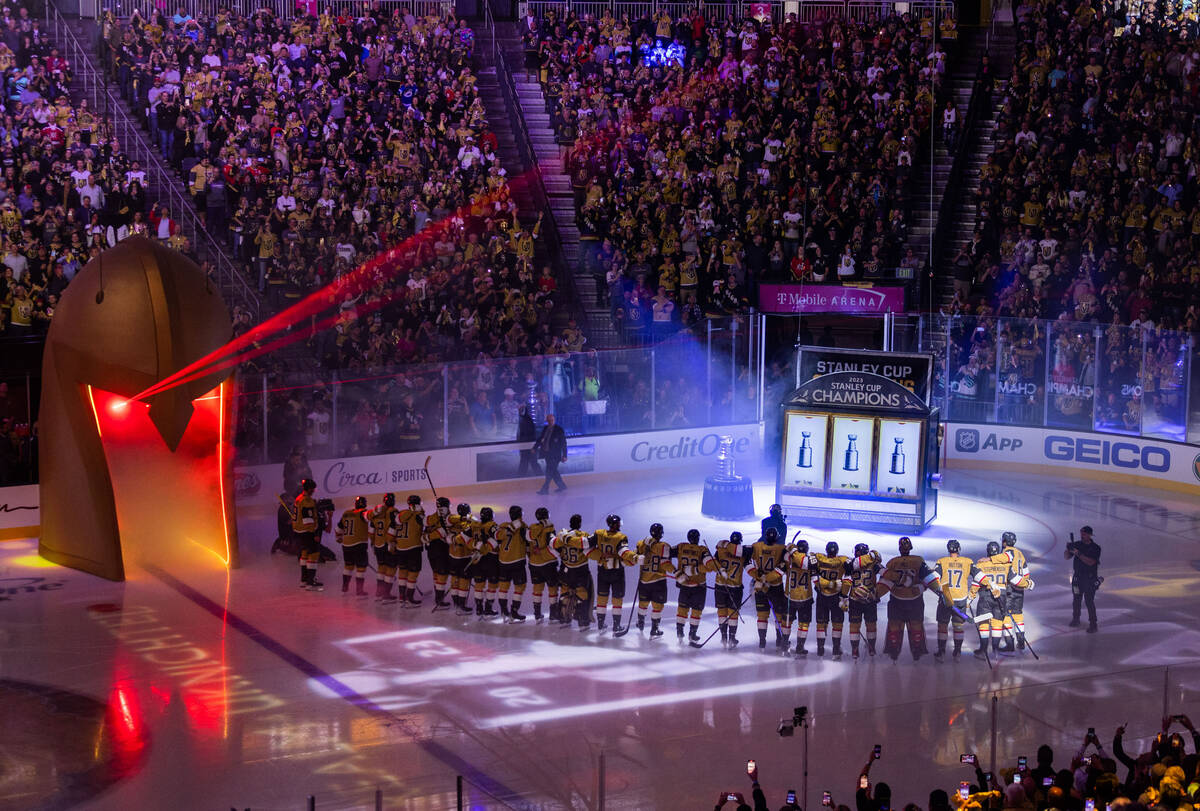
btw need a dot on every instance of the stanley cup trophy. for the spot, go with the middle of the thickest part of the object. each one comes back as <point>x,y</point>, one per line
<point>727,496</point>
<point>898,457</point>
<point>805,459</point>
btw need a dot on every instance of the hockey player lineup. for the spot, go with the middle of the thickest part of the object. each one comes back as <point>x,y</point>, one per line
<point>479,563</point>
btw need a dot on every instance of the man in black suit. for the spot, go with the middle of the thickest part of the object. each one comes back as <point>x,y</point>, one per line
<point>552,446</point>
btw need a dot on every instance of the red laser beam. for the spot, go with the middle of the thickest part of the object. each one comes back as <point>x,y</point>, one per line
<point>352,284</point>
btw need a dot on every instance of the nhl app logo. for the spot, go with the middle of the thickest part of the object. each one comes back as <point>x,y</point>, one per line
<point>966,440</point>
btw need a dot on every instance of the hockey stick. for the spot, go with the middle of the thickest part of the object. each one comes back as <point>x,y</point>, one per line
<point>695,644</point>
<point>290,513</point>
<point>1027,643</point>
<point>637,592</point>
<point>429,480</point>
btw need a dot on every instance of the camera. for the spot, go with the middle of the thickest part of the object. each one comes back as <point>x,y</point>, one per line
<point>787,726</point>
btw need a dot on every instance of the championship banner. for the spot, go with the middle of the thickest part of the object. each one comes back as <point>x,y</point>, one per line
<point>913,372</point>
<point>799,299</point>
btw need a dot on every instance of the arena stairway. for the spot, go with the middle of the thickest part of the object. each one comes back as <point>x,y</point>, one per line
<point>512,158</point>
<point>547,155</point>
<point>979,142</point>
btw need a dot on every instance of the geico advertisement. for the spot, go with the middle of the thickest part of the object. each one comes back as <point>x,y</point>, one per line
<point>1047,446</point>
<point>458,467</point>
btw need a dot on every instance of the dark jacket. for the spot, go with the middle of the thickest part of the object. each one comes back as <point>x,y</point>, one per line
<point>552,444</point>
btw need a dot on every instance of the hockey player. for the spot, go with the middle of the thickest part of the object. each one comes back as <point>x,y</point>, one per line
<point>693,563</point>
<point>543,568</point>
<point>574,549</point>
<point>906,577</point>
<point>800,566</point>
<point>462,550</point>
<point>654,559</point>
<point>383,540</point>
<point>352,533</point>
<point>864,574</point>
<point>437,546</point>
<point>410,527</point>
<point>833,588</point>
<point>512,541</point>
<point>1019,582</point>
<point>989,583</point>
<point>764,564</point>
<point>486,567</point>
<point>305,525</point>
<point>728,593</point>
<point>612,554</point>
<point>955,574</point>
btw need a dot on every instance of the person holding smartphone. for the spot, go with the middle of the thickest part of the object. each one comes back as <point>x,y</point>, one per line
<point>866,798</point>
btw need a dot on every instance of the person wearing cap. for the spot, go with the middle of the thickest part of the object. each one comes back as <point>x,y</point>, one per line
<point>1086,576</point>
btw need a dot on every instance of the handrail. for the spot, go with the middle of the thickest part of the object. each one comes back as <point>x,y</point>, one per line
<point>95,87</point>
<point>952,194</point>
<point>537,187</point>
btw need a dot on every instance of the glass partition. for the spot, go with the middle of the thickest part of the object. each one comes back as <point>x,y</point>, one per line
<point>1083,376</point>
<point>704,377</point>
<point>1071,361</point>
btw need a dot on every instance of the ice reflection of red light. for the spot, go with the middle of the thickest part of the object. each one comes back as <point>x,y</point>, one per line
<point>126,728</point>
<point>203,713</point>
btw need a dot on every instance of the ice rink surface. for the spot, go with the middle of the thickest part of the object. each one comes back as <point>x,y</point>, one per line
<point>192,687</point>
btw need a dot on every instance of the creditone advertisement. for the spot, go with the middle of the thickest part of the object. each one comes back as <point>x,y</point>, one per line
<point>1151,461</point>
<point>459,467</point>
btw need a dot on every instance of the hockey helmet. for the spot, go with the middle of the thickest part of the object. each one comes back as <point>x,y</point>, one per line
<point>486,514</point>
<point>776,510</point>
<point>831,549</point>
<point>443,502</point>
<point>771,535</point>
<point>656,531</point>
<point>861,549</point>
<point>360,502</point>
<point>576,521</point>
<point>414,500</point>
<point>514,512</point>
<point>905,545</point>
<point>463,509</point>
<point>1008,539</point>
<point>693,536</point>
<point>389,499</point>
<point>993,548</point>
<point>541,514</point>
<point>802,546</point>
<point>735,537</point>
<point>308,485</point>
<point>613,521</point>
<point>953,546</point>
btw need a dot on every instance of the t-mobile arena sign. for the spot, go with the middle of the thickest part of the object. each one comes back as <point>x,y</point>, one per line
<point>829,298</point>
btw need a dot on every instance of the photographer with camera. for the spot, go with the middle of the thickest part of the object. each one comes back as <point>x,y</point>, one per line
<point>1085,579</point>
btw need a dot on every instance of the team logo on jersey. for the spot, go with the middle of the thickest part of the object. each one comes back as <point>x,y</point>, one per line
<point>966,440</point>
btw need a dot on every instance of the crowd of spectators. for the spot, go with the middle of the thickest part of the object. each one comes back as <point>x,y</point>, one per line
<point>1086,214</point>
<point>317,143</point>
<point>707,156</point>
<point>67,190</point>
<point>1165,777</point>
